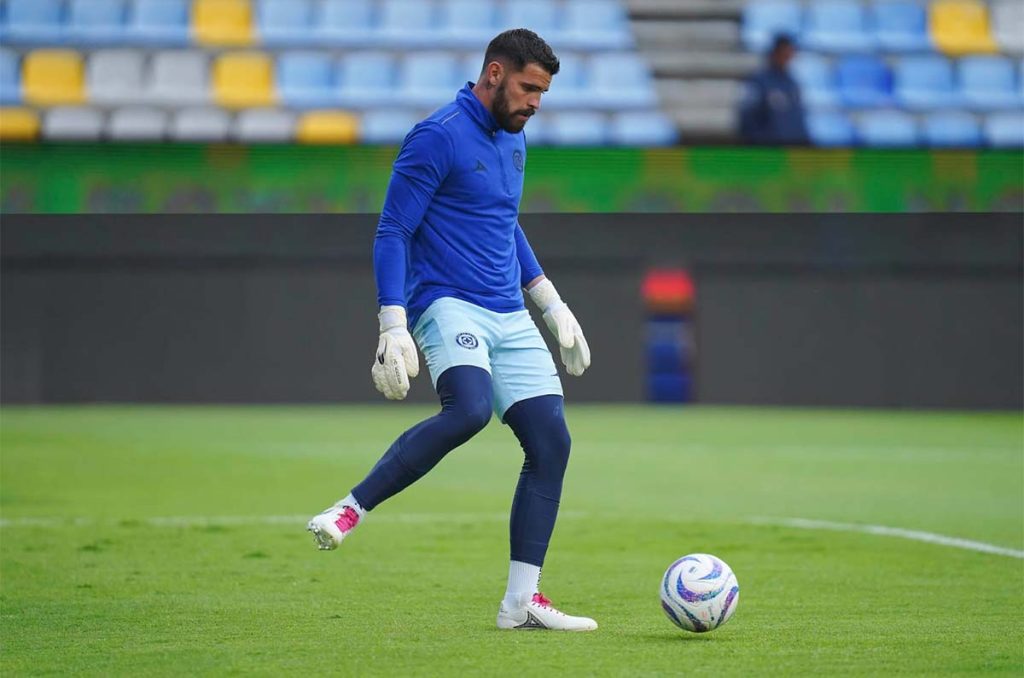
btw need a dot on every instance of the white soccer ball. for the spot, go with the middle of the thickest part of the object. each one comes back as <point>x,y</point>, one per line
<point>699,592</point>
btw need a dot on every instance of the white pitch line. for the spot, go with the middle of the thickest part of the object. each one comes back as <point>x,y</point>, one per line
<point>229,521</point>
<point>915,535</point>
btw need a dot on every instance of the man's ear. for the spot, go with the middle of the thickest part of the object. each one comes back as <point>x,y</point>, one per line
<point>494,73</point>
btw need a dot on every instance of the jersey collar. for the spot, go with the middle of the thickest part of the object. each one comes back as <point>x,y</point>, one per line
<point>480,115</point>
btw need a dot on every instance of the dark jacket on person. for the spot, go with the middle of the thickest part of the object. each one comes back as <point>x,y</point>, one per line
<point>772,111</point>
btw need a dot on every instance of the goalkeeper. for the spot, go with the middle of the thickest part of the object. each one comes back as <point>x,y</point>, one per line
<point>451,261</point>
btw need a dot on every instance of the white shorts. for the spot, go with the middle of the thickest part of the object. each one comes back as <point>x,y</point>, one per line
<point>508,345</point>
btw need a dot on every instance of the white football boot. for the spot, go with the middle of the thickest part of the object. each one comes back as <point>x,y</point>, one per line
<point>333,525</point>
<point>537,613</point>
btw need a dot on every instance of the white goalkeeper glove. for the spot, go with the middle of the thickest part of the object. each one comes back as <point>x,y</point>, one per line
<point>397,359</point>
<point>563,324</point>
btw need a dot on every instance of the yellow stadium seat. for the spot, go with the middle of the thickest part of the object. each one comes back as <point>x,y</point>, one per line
<point>961,27</point>
<point>222,22</point>
<point>243,80</point>
<point>328,127</point>
<point>53,77</point>
<point>18,124</point>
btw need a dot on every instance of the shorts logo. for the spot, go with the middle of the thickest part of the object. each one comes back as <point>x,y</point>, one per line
<point>517,160</point>
<point>466,340</point>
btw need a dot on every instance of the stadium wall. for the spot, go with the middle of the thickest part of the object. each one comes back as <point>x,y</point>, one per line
<point>843,310</point>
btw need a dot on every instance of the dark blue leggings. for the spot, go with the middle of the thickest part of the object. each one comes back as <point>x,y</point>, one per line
<point>466,401</point>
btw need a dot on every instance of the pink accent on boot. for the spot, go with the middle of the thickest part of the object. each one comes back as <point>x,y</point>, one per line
<point>541,600</point>
<point>347,520</point>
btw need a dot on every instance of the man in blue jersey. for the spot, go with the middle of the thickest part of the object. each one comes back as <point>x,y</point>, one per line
<point>451,262</point>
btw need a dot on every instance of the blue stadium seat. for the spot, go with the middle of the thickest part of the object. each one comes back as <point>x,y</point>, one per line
<point>836,26</point>
<point>621,80</point>
<point>159,22</point>
<point>987,83</point>
<point>428,79</point>
<point>643,128</point>
<point>864,81</point>
<point>582,128</point>
<point>924,82</point>
<point>595,24</point>
<point>406,23</point>
<point>307,79</point>
<point>1005,130</point>
<point>285,22</point>
<point>467,23</point>
<point>829,128</point>
<point>540,16</point>
<point>96,21</point>
<point>900,25</point>
<point>817,81</point>
<point>10,77</point>
<point>764,19</point>
<point>887,129</point>
<point>367,79</point>
<point>951,129</point>
<point>35,21</point>
<point>569,88</point>
<point>344,23</point>
<point>387,126</point>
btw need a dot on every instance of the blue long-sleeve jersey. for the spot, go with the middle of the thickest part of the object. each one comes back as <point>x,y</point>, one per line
<point>450,226</point>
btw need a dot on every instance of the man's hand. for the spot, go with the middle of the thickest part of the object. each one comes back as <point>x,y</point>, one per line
<point>396,359</point>
<point>572,344</point>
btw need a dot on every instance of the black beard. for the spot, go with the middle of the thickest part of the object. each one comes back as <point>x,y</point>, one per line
<point>502,115</point>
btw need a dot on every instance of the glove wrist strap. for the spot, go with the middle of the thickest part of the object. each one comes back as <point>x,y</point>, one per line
<point>391,317</point>
<point>545,296</point>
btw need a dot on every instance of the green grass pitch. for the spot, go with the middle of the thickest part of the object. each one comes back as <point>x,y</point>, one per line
<point>170,541</point>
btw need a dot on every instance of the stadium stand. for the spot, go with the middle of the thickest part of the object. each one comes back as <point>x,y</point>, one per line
<point>954,129</point>
<point>52,77</point>
<point>200,125</point>
<point>115,77</point>
<point>830,128</point>
<point>837,26</point>
<point>961,27</point>
<point>158,23</point>
<point>65,123</point>
<point>900,26</point>
<point>327,127</point>
<point>243,79</point>
<point>137,124</point>
<point>10,77</point>
<point>179,78</point>
<point>924,83</point>
<point>886,128</point>
<point>222,22</point>
<point>18,124</point>
<point>634,72</point>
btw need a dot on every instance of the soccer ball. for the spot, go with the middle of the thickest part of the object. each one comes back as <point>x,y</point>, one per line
<point>699,592</point>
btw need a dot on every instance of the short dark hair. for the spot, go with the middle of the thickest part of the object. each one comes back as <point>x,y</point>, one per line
<point>519,47</point>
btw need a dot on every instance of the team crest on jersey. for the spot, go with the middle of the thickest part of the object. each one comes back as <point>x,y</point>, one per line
<point>517,160</point>
<point>466,340</point>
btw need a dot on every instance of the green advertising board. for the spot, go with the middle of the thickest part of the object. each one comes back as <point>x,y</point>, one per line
<point>104,178</point>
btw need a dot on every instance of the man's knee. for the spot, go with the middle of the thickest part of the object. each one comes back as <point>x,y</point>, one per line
<point>473,415</point>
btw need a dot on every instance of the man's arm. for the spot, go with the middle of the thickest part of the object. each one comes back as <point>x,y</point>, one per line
<point>531,272</point>
<point>422,165</point>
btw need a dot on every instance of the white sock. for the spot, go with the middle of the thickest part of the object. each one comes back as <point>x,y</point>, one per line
<point>523,582</point>
<point>351,501</point>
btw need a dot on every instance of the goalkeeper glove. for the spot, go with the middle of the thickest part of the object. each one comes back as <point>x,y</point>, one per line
<point>397,359</point>
<point>563,324</point>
